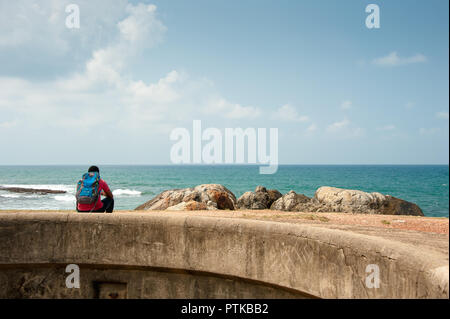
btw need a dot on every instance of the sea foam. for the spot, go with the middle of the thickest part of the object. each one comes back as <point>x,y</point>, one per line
<point>126,192</point>
<point>65,198</point>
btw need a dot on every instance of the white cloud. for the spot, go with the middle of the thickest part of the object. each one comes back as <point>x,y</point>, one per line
<point>357,132</point>
<point>8,124</point>
<point>392,59</point>
<point>346,105</point>
<point>345,129</point>
<point>312,128</point>
<point>104,93</point>
<point>219,105</point>
<point>288,113</point>
<point>38,26</point>
<point>442,115</point>
<point>336,126</point>
<point>409,105</point>
<point>390,127</point>
<point>429,131</point>
<point>164,91</point>
<point>139,28</point>
<point>239,112</point>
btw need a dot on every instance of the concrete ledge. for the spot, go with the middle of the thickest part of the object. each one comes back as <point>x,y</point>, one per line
<point>316,261</point>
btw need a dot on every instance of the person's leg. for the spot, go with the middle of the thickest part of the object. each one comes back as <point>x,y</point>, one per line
<point>101,210</point>
<point>108,205</point>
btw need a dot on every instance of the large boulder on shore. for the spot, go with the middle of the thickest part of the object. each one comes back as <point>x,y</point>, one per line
<point>292,202</point>
<point>261,198</point>
<point>353,200</point>
<point>205,196</point>
<point>356,201</point>
<point>191,205</point>
<point>332,199</point>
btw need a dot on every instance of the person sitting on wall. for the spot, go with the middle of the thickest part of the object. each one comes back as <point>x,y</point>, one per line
<point>89,191</point>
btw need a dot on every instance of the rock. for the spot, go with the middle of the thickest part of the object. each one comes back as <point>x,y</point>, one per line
<point>347,197</point>
<point>332,199</point>
<point>397,206</point>
<point>211,204</point>
<point>273,196</point>
<point>261,198</point>
<point>31,190</point>
<point>253,200</point>
<point>191,205</point>
<point>260,189</point>
<point>292,202</point>
<point>356,201</point>
<point>326,199</point>
<point>211,196</point>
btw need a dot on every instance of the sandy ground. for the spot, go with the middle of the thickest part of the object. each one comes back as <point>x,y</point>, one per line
<point>338,220</point>
<point>423,224</point>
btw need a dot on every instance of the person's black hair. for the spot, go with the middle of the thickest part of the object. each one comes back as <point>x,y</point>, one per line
<point>93,169</point>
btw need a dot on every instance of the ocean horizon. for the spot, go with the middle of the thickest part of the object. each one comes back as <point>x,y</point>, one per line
<point>132,185</point>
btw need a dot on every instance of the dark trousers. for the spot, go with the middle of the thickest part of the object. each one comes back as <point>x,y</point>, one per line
<point>108,206</point>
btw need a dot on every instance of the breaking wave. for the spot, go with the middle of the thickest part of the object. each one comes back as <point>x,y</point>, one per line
<point>126,192</point>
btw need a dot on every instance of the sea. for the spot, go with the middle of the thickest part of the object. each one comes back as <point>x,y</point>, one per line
<point>425,185</point>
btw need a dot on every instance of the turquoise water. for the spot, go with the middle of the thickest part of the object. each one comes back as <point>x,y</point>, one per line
<point>427,186</point>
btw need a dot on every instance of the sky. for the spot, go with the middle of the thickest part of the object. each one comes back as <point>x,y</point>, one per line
<point>112,91</point>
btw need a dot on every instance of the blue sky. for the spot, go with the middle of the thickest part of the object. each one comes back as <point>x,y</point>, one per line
<point>111,91</point>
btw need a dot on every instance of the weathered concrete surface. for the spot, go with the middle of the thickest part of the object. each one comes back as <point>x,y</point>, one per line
<point>194,254</point>
<point>47,281</point>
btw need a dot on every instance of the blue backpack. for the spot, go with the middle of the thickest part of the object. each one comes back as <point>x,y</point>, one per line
<point>88,189</point>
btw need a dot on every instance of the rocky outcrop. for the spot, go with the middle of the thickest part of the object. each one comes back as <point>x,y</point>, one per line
<point>191,205</point>
<point>292,202</point>
<point>326,199</point>
<point>332,199</point>
<point>273,196</point>
<point>397,206</point>
<point>31,190</point>
<point>261,198</point>
<point>356,201</point>
<point>206,196</point>
<point>347,197</point>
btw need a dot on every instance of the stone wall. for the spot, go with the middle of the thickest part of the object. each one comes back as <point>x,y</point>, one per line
<point>115,282</point>
<point>160,255</point>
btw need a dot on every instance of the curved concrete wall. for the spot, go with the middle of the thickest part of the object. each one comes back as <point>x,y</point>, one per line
<point>193,256</point>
